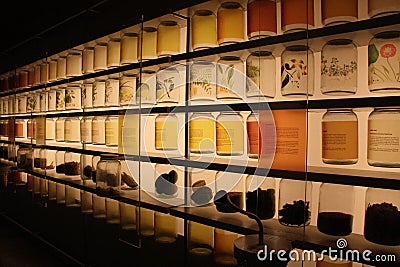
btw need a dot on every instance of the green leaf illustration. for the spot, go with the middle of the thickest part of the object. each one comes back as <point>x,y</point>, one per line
<point>373,54</point>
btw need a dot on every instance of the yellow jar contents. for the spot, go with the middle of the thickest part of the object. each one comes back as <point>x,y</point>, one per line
<point>204,29</point>
<point>129,44</point>
<point>168,39</point>
<point>149,43</point>
<point>166,128</point>
<point>229,137</point>
<point>230,23</point>
<point>111,131</point>
<point>201,135</point>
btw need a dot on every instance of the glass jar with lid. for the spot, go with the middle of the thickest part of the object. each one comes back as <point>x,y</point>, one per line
<point>50,128</point>
<point>61,67</point>
<point>253,135</point>
<point>37,76</point>
<point>100,56</point>
<point>44,72</point>
<point>112,92</point>
<point>60,166</point>
<point>383,128</point>
<point>30,126</point>
<point>202,133</point>
<point>146,93</point>
<point>72,129</point>
<point>113,52</point>
<point>383,63</point>
<point>336,209</point>
<point>203,80</point>
<point>170,81</point>
<point>88,59</point>
<point>260,196</point>
<point>87,97</point>
<point>382,216</point>
<point>230,80</point>
<point>23,78</point>
<point>53,69</point>
<point>204,29</point>
<point>108,175</point>
<point>337,12</point>
<point>261,18</point>
<point>36,157</point>
<point>298,67</point>
<point>377,8</point>
<point>22,103</point>
<point>229,134</point>
<point>147,48</point>
<point>86,129</point>
<point>86,166</point>
<point>129,44</point>
<point>72,164</point>
<point>111,130</point>
<point>74,63</point>
<point>98,130</point>
<point>295,198</point>
<point>73,96</point>
<point>99,92</point>
<point>60,129</point>
<point>201,187</point>
<point>166,132</point>
<point>339,136</point>
<point>20,128</point>
<point>260,74</point>
<point>168,38</point>
<point>127,89</point>
<point>32,102</point>
<point>234,187</point>
<point>60,98</point>
<point>230,23</point>
<point>31,76</point>
<point>43,97</point>
<point>339,67</point>
<point>25,157</point>
<point>297,15</point>
<point>52,98</point>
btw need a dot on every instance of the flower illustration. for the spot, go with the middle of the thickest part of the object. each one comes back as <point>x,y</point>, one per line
<point>388,50</point>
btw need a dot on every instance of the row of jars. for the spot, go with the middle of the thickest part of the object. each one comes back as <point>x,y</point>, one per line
<point>257,74</point>
<point>208,30</point>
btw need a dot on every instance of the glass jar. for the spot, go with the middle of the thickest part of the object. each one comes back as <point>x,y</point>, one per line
<point>297,75</point>
<point>60,193</point>
<point>87,97</point>
<point>230,80</point>
<point>294,207</point>
<point>52,97</point>
<point>165,228</point>
<point>53,70</point>
<point>44,72</point>
<point>100,56</point>
<point>37,77</point>
<point>112,92</point>
<point>383,67</point>
<point>73,97</point>
<point>382,8</point>
<point>168,38</point>
<point>201,133</point>
<point>382,216</point>
<point>74,63</point>
<point>72,197</point>
<point>113,52</point>
<point>229,134</point>
<point>203,80</point>
<point>128,216</point>
<point>86,202</point>
<point>43,98</point>
<point>127,89</point>
<point>86,130</point>
<point>129,44</point>
<point>112,211</point>
<point>86,166</point>
<point>40,160</point>
<point>60,164</point>
<point>383,129</point>
<point>339,136</point>
<point>201,187</point>
<point>72,129</point>
<point>98,130</point>
<point>297,15</point>
<point>146,93</point>
<point>224,247</point>
<point>60,129</point>
<point>23,78</point>
<point>31,77</point>
<point>99,93</point>
<point>336,209</point>
<point>25,157</point>
<point>99,207</point>
<point>260,196</point>
<point>50,129</point>
<point>95,160</point>
<point>260,73</point>
<point>261,18</point>
<point>108,175</point>
<point>22,103</point>
<point>30,128</point>
<point>230,23</point>
<point>335,12</point>
<point>72,164</point>
<point>61,67</point>
<point>166,132</point>
<point>146,221</point>
<point>88,60</point>
<point>36,158</point>
<point>233,185</point>
<point>166,181</point>
<point>60,98</point>
<point>32,103</point>
<point>50,159</point>
<point>253,135</point>
<point>204,29</point>
<point>111,130</point>
<point>169,82</point>
<point>339,67</point>
<point>52,191</point>
<point>200,240</point>
<point>20,128</point>
<point>147,49</point>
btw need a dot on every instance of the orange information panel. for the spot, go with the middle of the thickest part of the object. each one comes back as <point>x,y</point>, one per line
<point>283,139</point>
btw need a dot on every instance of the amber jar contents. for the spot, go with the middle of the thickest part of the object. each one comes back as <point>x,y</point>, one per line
<point>230,23</point>
<point>148,46</point>
<point>297,15</point>
<point>204,29</point>
<point>168,38</point>
<point>113,52</point>
<point>339,11</point>
<point>129,43</point>
<point>166,132</point>
<point>261,18</point>
<point>253,136</point>
<point>383,7</point>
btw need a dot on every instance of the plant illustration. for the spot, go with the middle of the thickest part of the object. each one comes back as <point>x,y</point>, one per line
<point>31,102</point>
<point>334,69</point>
<point>253,74</point>
<point>225,76</point>
<point>167,85</point>
<point>201,78</point>
<point>381,72</point>
<point>108,93</point>
<point>293,73</point>
<point>94,93</point>
<point>60,100</point>
<point>69,97</point>
<point>126,92</point>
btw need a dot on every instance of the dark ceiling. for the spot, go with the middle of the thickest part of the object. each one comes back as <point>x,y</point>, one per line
<point>30,29</point>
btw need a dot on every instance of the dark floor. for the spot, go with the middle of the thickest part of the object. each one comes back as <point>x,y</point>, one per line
<point>19,249</point>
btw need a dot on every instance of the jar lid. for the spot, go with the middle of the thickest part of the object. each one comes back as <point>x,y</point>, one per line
<point>231,5</point>
<point>261,53</point>
<point>297,48</point>
<point>339,42</point>
<point>203,12</point>
<point>149,29</point>
<point>109,156</point>
<point>168,23</point>
<point>387,35</point>
<point>230,58</point>
<point>130,34</point>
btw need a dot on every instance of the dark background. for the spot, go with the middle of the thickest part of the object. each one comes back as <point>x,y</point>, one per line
<point>30,29</point>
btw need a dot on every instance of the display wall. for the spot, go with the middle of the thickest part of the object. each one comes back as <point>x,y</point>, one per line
<point>291,107</point>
